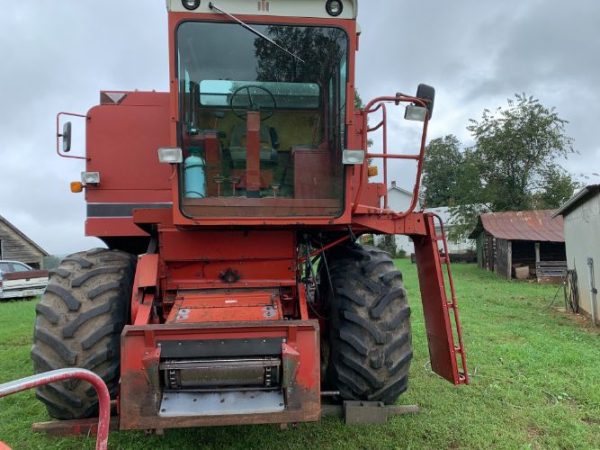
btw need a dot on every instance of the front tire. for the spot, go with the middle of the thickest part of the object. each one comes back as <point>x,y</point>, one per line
<point>370,347</point>
<point>78,324</point>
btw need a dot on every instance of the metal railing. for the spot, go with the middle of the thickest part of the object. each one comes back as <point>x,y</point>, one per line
<point>375,105</point>
<point>54,376</point>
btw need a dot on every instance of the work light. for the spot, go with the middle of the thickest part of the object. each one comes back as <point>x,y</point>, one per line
<point>353,157</point>
<point>190,4</point>
<point>170,155</point>
<point>90,178</point>
<point>334,7</point>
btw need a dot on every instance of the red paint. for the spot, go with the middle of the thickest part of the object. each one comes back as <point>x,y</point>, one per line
<point>68,374</point>
<point>443,350</point>
<point>236,306</point>
<point>138,401</point>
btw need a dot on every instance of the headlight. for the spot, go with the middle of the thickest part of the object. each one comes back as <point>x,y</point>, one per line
<point>190,4</point>
<point>353,156</point>
<point>170,155</point>
<point>90,178</point>
<point>334,7</point>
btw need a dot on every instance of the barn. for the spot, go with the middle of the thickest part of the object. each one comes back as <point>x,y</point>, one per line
<point>581,216</point>
<point>16,246</point>
<point>521,244</point>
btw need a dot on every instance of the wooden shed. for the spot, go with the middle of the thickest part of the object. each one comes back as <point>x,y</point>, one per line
<point>16,246</point>
<point>521,244</point>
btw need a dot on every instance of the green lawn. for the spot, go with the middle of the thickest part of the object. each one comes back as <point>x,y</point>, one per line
<point>535,383</point>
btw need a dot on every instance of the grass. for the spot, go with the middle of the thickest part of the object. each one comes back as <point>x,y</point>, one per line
<point>534,384</point>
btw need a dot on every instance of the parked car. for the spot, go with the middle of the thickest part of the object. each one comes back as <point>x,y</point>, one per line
<point>18,280</point>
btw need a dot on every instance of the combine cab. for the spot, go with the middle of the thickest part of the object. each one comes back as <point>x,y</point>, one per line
<point>233,289</point>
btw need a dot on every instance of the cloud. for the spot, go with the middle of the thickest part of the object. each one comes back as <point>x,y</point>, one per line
<point>58,55</point>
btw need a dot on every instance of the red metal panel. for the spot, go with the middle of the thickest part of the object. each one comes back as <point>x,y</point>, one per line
<point>236,306</point>
<point>147,270</point>
<point>112,227</point>
<point>227,245</point>
<point>139,398</point>
<point>312,173</point>
<point>122,144</point>
<point>253,151</point>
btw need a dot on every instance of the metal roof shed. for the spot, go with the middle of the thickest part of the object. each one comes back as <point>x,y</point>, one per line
<point>512,239</point>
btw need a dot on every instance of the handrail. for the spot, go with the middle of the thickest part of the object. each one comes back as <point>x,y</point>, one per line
<point>373,106</point>
<point>53,376</point>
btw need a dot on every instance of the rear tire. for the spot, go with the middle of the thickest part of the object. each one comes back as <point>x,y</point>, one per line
<point>370,346</point>
<point>78,324</point>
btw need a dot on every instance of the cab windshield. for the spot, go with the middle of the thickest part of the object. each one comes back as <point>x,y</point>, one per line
<point>262,126</point>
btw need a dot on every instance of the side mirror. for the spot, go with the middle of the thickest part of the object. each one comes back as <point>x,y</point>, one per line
<point>427,93</point>
<point>66,137</point>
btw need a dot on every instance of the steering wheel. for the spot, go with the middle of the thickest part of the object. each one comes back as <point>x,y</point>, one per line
<point>243,99</point>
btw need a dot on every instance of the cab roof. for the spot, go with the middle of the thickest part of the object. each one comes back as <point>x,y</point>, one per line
<point>282,8</point>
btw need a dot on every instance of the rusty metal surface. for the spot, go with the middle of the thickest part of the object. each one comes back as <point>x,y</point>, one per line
<point>538,226</point>
<point>140,401</point>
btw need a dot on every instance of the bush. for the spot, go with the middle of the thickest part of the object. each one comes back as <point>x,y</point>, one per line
<point>387,243</point>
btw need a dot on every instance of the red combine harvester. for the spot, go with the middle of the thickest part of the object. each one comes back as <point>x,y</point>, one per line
<point>233,289</point>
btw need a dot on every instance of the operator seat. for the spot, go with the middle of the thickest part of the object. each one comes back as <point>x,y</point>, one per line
<point>268,145</point>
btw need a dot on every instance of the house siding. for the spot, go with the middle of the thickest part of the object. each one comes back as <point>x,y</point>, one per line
<point>14,247</point>
<point>582,227</point>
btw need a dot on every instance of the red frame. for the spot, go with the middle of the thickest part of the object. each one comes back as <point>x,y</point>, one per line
<point>349,26</point>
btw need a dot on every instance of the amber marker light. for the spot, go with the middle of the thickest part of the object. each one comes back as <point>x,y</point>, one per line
<point>372,171</point>
<point>76,187</point>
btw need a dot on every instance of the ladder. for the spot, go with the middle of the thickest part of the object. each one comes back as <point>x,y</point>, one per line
<point>440,307</point>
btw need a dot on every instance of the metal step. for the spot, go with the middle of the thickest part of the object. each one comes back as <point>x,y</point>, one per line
<point>194,404</point>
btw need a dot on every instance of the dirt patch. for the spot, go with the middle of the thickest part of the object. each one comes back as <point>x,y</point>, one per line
<point>581,320</point>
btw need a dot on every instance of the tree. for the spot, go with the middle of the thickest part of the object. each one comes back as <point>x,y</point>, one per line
<point>516,148</point>
<point>557,188</point>
<point>512,166</point>
<point>441,171</point>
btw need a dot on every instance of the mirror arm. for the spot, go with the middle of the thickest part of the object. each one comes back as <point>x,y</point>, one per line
<point>59,134</point>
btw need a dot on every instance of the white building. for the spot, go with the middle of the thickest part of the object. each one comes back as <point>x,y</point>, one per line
<point>399,200</point>
<point>581,216</point>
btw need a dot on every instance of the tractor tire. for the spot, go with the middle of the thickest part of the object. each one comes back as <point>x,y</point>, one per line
<point>370,344</point>
<point>78,324</point>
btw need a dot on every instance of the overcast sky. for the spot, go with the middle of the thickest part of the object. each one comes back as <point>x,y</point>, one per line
<point>57,56</point>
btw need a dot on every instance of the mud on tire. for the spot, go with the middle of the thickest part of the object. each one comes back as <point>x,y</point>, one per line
<point>370,344</point>
<point>78,324</point>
